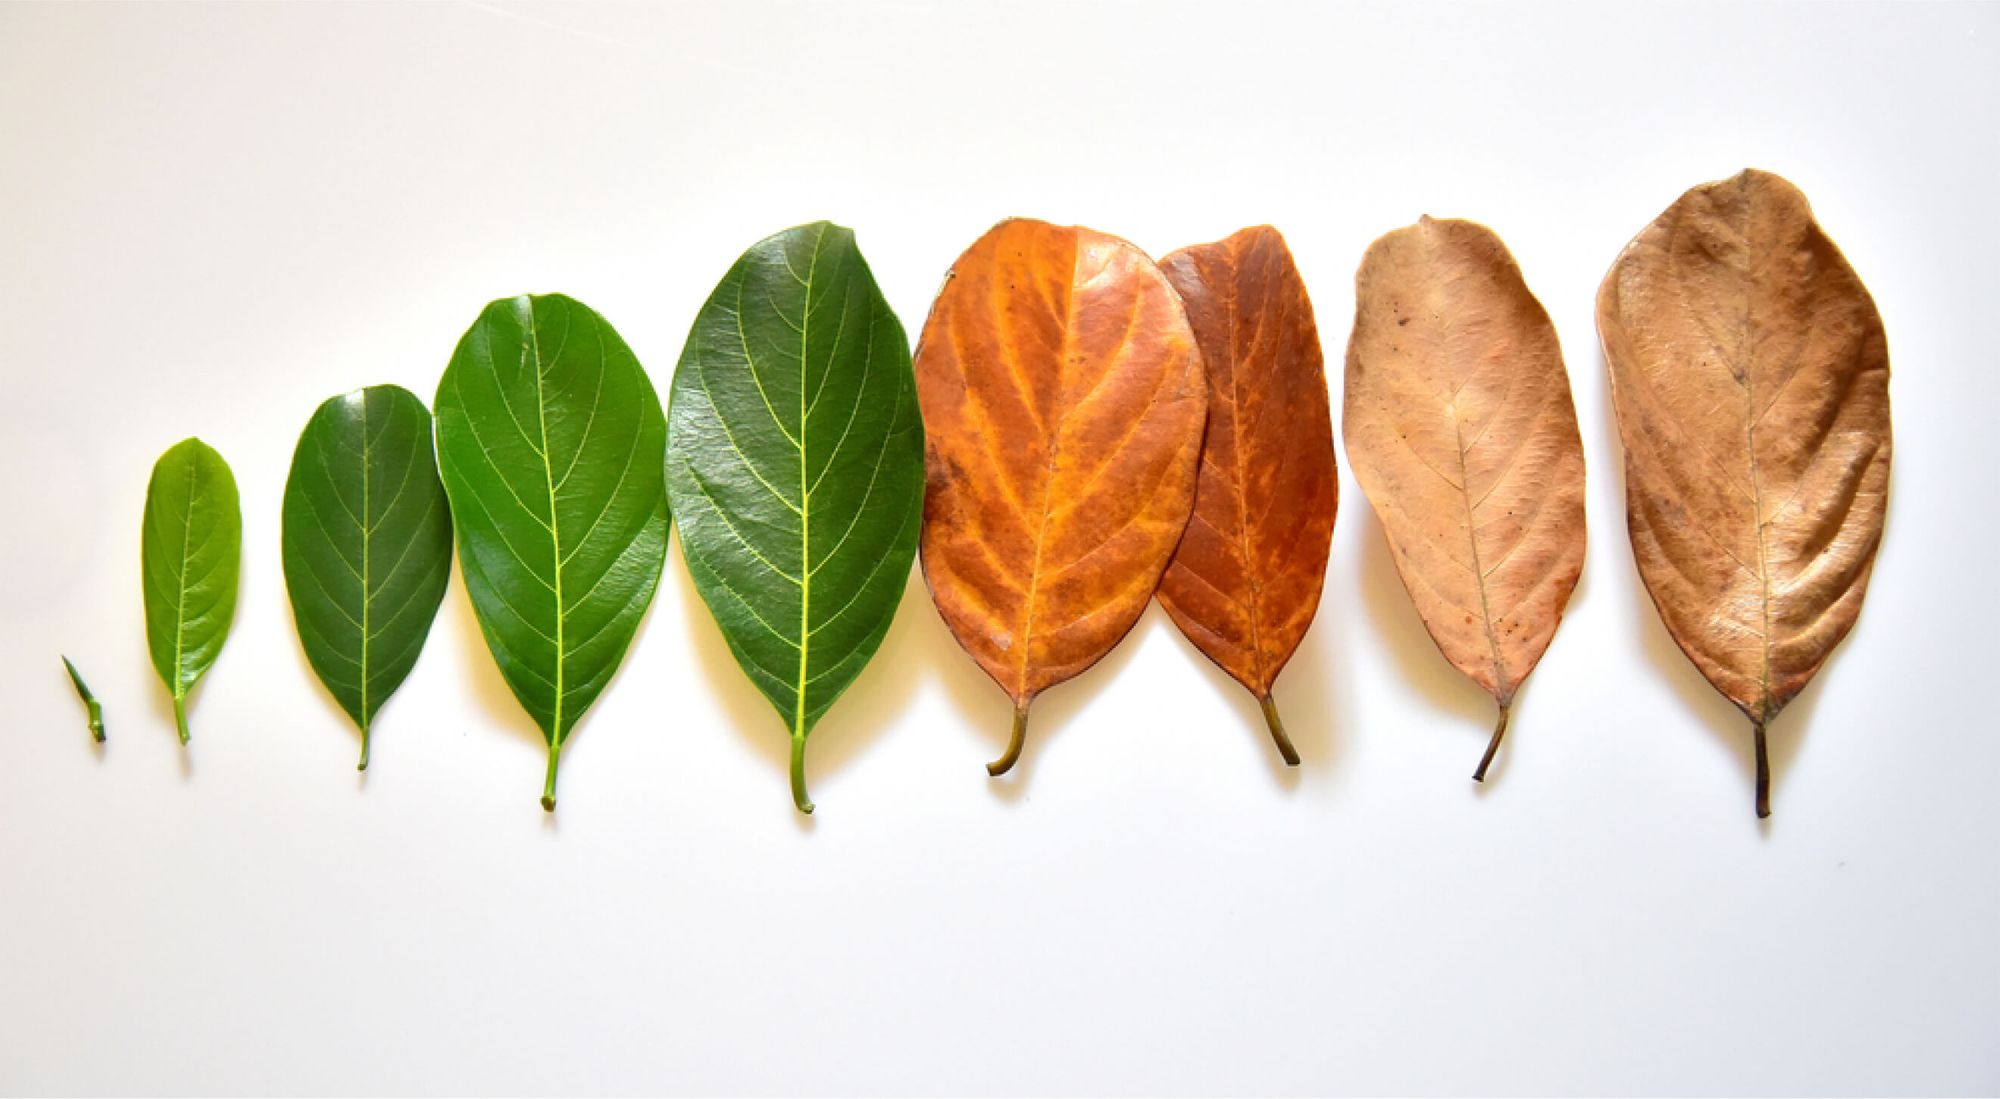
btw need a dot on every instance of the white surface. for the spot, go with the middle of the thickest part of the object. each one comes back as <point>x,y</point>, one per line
<point>213,217</point>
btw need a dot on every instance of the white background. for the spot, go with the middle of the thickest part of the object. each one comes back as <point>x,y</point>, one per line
<point>211,218</point>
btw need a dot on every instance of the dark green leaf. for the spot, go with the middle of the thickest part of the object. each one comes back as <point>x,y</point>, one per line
<point>189,553</point>
<point>796,468</point>
<point>93,713</point>
<point>367,540</point>
<point>551,444</point>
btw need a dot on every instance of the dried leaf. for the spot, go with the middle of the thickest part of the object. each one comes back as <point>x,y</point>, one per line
<point>1063,408</point>
<point>1246,579</point>
<point>1460,429</point>
<point>1751,382</point>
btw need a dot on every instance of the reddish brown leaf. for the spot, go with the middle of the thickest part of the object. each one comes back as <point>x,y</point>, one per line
<point>1063,409</point>
<point>1460,429</point>
<point>1246,579</point>
<point>1751,382</point>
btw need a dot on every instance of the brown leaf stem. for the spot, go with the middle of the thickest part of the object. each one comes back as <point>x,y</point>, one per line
<point>1014,742</point>
<point>1492,746</point>
<point>1284,742</point>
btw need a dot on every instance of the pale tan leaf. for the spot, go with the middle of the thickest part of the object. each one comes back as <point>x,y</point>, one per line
<point>1459,426</point>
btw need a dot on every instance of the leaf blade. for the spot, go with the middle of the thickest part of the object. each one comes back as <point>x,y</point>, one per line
<point>1755,523</point>
<point>550,446</point>
<point>1460,429</point>
<point>1063,403</point>
<point>190,553</point>
<point>1246,577</point>
<point>795,468</point>
<point>366,540</point>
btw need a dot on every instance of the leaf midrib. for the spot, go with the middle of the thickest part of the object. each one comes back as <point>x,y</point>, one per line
<point>805,499</point>
<point>555,537</point>
<point>1502,689</point>
<point>1750,421</point>
<point>1067,309</point>
<point>181,589</point>
<point>367,520</point>
<point>1241,479</point>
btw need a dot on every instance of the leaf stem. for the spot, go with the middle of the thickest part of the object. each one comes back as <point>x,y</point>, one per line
<point>549,784</point>
<point>1492,746</point>
<point>1763,772</point>
<point>363,765</point>
<point>1285,748</point>
<point>181,716</point>
<point>1014,742</point>
<point>799,774</point>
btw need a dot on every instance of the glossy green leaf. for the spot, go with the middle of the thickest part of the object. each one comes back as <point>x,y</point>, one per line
<point>367,545</point>
<point>552,447</point>
<point>796,468</point>
<point>93,713</point>
<point>189,552</point>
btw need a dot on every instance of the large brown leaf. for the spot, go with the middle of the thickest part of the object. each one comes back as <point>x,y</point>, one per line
<point>1460,429</point>
<point>1751,383</point>
<point>1063,409</point>
<point>1246,579</point>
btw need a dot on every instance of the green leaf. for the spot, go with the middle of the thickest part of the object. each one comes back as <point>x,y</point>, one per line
<point>552,444</point>
<point>189,554</point>
<point>796,468</point>
<point>93,713</point>
<point>367,541</point>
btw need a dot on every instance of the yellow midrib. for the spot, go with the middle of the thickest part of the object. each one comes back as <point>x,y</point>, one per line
<point>180,596</point>
<point>1049,474</point>
<point>555,538</point>
<point>365,539</point>
<point>805,501</point>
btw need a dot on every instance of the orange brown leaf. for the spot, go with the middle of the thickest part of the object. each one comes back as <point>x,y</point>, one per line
<point>1460,429</point>
<point>1245,581</point>
<point>1751,382</point>
<point>1063,408</point>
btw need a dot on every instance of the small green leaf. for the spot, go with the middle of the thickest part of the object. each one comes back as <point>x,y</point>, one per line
<point>189,553</point>
<point>796,469</point>
<point>367,545</point>
<point>92,711</point>
<point>551,443</point>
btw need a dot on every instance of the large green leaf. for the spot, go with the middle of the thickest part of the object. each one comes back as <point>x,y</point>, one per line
<point>189,554</point>
<point>367,540</point>
<point>552,444</point>
<point>796,468</point>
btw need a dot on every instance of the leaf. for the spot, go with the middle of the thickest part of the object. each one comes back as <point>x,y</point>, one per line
<point>1750,379</point>
<point>1245,581</point>
<point>189,552</point>
<point>1460,430</point>
<point>93,713</point>
<point>551,445</point>
<point>795,469</point>
<point>1063,405</point>
<point>367,545</point>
